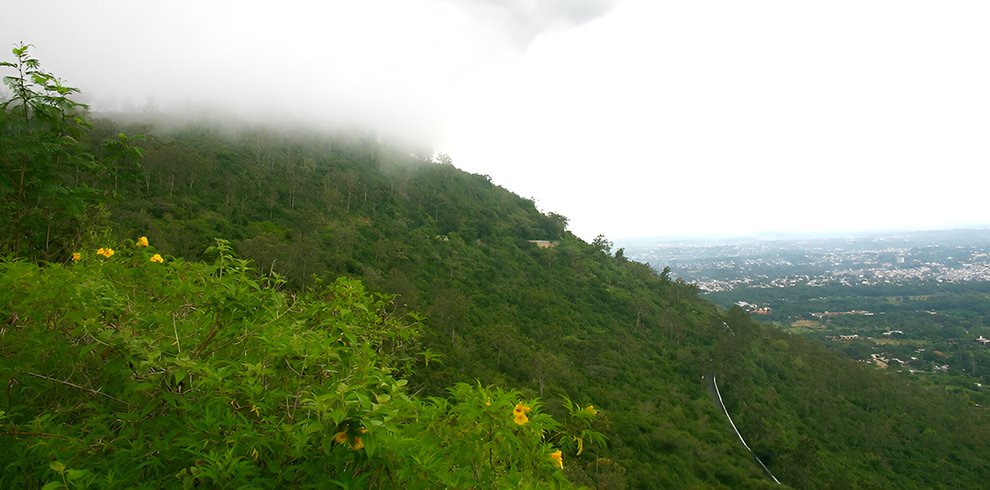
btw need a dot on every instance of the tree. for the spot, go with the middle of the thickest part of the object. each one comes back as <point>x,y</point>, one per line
<point>442,159</point>
<point>603,244</point>
<point>47,174</point>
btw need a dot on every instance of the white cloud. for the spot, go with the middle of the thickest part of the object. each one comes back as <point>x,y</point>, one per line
<point>680,117</point>
<point>632,118</point>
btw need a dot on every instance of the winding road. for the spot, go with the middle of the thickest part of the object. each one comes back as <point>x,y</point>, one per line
<point>713,386</point>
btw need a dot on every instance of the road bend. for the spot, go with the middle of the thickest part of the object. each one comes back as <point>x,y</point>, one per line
<point>714,387</point>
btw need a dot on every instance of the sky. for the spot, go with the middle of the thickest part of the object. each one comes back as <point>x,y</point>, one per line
<point>631,117</point>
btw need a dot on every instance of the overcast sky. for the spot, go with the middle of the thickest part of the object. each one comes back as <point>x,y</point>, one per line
<point>631,117</point>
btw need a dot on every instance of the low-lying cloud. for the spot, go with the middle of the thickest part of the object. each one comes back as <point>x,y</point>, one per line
<point>383,64</point>
<point>763,115</point>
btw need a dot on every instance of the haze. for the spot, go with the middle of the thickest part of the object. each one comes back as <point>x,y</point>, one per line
<point>632,118</point>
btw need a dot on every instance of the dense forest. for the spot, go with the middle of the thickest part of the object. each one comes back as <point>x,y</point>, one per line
<point>213,304</point>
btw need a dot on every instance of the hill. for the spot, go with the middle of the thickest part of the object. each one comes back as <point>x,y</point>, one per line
<point>507,297</point>
<point>572,319</point>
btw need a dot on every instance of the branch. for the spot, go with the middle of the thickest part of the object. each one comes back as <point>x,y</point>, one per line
<point>17,433</point>
<point>206,341</point>
<point>42,376</point>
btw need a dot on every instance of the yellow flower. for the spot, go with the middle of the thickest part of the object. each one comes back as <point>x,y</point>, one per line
<point>142,242</point>
<point>253,407</point>
<point>591,409</point>
<point>76,256</point>
<point>557,458</point>
<point>157,258</point>
<point>254,454</point>
<point>519,414</point>
<point>355,441</point>
<point>106,252</point>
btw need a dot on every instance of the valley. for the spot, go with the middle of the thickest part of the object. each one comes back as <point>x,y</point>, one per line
<point>913,303</point>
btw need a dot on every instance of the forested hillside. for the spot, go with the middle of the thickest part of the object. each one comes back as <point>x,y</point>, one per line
<point>575,319</point>
<point>504,296</point>
<point>568,320</point>
<point>125,367</point>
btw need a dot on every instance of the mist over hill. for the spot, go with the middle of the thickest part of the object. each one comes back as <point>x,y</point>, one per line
<point>567,319</point>
<point>363,292</point>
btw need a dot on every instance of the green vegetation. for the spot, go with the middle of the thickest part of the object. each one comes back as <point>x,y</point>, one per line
<point>126,368</point>
<point>927,331</point>
<point>817,419</point>
<point>201,371</point>
<point>565,321</point>
<point>50,177</point>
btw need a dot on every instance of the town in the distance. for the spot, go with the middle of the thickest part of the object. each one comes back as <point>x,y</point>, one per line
<point>916,303</point>
<point>865,259</point>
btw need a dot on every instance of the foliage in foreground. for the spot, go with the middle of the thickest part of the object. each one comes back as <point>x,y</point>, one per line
<point>126,369</point>
<point>52,181</point>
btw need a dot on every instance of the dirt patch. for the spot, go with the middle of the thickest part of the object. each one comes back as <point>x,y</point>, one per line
<point>887,341</point>
<point>806,324</point>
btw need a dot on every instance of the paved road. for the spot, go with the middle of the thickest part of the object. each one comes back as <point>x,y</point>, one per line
<point>713,387</point>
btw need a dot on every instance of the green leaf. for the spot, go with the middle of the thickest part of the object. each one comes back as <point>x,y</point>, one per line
<point>370,446</point>
<point>75,474</point>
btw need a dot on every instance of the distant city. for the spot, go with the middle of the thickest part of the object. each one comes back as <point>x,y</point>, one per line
<point>930,256</point>
<point>916,303</point>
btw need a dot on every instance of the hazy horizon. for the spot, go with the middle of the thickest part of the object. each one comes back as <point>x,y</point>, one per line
<point>792,235</point>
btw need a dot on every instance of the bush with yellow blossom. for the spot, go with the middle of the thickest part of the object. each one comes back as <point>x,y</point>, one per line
<point>203,375</point>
